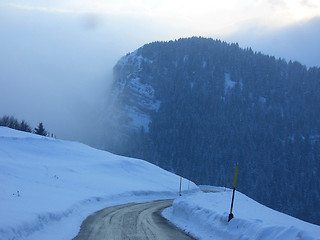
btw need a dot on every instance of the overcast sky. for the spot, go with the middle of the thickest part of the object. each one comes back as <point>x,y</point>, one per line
<point>56,56</point>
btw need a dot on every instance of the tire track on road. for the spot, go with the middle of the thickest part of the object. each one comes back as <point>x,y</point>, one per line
<point>134,221</point>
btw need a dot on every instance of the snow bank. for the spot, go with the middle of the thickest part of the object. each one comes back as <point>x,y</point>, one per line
<point>204,216</point>
<point>49,186</point>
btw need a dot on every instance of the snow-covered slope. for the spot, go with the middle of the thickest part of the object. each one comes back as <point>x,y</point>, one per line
<point>49,186</point>
<point>204,215</point>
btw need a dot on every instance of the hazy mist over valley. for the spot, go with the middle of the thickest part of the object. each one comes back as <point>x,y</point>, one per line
<point>56,59</point>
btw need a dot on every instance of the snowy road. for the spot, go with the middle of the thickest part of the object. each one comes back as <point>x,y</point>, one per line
<point>130,221</point>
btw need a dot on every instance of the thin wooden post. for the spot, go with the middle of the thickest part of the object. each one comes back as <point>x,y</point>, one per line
<point>180,186</point>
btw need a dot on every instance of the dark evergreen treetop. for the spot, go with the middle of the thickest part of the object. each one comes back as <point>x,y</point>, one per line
<point>40,130</point>
<point>12,122</point>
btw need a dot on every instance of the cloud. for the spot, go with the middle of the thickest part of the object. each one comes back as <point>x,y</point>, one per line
<point>296,42</point>
<point>57,56</point>
<point>53,71</point>
<point>203,16</point>
<point>56,67</point>
<point>171,13</point>
<point>92,21</point>
<point>310,4</point>
<point>41,9</point>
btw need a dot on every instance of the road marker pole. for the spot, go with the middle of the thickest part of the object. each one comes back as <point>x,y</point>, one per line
<point>180,186</point>
<point>234,189</point>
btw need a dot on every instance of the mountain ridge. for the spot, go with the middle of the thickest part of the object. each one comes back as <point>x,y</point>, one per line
<point>221,106</point>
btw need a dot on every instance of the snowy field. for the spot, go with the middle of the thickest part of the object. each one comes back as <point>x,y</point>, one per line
<point>205,215</point>
<point>49,186</point>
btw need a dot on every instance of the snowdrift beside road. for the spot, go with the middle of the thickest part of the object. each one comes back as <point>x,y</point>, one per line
<point>49,186</point>
<point>60,183</point>
<point>205,215</point>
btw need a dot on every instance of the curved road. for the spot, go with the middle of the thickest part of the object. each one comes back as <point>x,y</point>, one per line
<point>136,221</point>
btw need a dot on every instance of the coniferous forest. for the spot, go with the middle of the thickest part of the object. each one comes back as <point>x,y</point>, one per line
<point>223,106</point>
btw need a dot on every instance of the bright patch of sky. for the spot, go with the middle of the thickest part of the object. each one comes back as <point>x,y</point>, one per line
<point>203,16</point>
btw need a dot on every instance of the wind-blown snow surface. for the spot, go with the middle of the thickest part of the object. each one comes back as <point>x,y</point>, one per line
<point>60,183</point>
<point>204,216</point>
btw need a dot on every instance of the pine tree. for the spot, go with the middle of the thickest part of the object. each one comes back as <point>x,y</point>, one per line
<point>24,127</point>
<point>40,130</point>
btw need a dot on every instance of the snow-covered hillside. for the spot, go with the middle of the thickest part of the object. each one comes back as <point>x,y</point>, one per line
<point>204,215</point>
<point>49,186</point>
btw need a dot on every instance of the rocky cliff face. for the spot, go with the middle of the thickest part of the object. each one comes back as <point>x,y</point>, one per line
<point>134,94</point>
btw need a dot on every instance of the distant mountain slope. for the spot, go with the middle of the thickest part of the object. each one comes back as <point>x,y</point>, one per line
<point>200,106</point>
